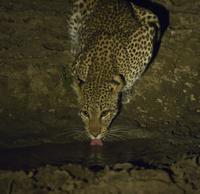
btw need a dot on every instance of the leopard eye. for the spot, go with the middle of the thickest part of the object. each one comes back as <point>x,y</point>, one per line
<point>105,113</point>
<point>84,113</point>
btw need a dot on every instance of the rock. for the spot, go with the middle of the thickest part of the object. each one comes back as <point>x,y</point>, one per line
<point>123,166</point>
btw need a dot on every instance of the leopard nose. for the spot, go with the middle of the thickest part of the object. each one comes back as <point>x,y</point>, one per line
<point>95,133</point>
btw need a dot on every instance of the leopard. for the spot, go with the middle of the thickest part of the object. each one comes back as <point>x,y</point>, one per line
<point>112,43</point>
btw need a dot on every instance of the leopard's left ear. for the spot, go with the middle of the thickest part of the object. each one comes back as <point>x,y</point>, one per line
<point>117,84</point>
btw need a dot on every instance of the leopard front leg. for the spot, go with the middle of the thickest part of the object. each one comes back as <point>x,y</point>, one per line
<point>127,96</point>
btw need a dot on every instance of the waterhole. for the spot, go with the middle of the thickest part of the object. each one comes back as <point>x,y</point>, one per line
<point>142,152</point>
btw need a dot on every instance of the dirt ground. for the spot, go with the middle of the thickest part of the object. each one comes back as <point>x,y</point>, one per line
<point>159,153</point>
<point>182,177</point>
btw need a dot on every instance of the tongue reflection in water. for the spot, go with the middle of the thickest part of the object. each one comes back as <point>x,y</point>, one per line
<point>96,142</point>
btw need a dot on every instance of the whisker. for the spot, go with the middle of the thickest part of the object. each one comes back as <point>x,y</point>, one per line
<point>117,132</point>
<point>66,133</point>
<point>116,135</point>
<point>70,133</point>
<point>120,128</point>
<point>113,136</point>
<point>81,136</point>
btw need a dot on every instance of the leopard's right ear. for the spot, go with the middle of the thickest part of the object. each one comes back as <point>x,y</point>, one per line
<point>78,87</point>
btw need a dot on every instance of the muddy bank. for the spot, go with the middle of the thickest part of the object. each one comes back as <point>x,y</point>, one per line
<point>182,177</point>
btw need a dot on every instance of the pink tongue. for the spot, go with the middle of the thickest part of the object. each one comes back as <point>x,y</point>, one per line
<point>96,142</point>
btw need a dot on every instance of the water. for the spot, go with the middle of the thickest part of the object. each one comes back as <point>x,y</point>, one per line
<point>138,151</point>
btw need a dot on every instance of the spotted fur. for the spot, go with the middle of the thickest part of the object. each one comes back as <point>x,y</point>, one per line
<point>81,9</point>
<point>113,43</point>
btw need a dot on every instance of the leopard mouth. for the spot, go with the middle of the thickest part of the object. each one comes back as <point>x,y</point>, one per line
<point>96,142</point>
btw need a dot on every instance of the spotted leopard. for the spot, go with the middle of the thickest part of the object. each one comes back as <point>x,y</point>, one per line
<point>112,43</point>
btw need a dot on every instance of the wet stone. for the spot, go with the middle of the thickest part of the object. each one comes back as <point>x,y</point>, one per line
<point>123,166</point>
<point>78,172</point>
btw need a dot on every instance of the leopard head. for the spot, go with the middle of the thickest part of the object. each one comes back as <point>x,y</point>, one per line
<point>99,104</point>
